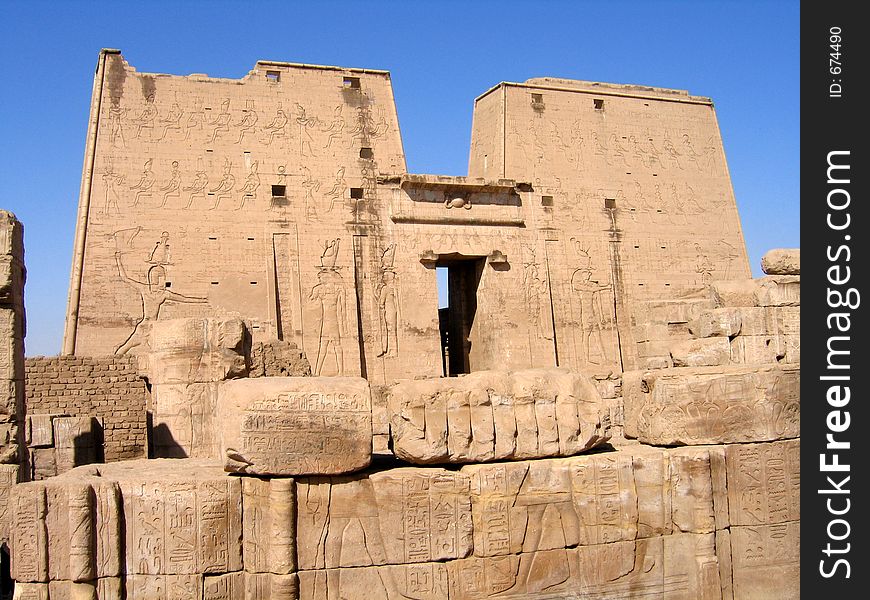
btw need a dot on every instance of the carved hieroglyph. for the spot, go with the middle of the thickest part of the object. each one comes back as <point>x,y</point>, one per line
<point>295,425</point>
<point>179,518</point>
<point>713,405</point>
<point>496,415</point>
<point>399,516</point>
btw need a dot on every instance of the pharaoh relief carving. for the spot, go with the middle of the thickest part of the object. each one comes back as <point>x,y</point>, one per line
<point>388,301</point>
<point>338,191</point>
<point>306,125</point>
<point>328,294</point>
<point>225,186</point>
<point>172,122</point>
<point>221,123</point>
<point>116,127</point>
<point>277,127</point>
<point>145,120</point>
<point>197,188</point>
<point>536,289</point>
<point>173,186</point>
<point>145,183</point>
<point>248,122</point>
<point>310,185</point>
<point>152,289</point>
<point>335,128</point>
<point>196,119</point>
<point>252,184</point>
<point>110,181</point>
<point>595,304</point>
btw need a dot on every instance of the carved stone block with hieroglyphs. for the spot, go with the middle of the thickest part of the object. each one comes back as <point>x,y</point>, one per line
<point>405,515</point>
<point>496,415</point>
<point>295,425</point>
<point>713,405</point>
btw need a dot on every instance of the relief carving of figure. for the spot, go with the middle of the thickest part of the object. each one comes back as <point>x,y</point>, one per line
<point>328,292</point>
<point>339,188</point>
<point>145,183</point>
<point>110,180</point>
<point>172,120</point>
<point>116,114</point>
<point>277,127</point>
<point>153,294</point>
<point>198,185</point>
<point>252,183</point>
<point>536,291</point>
<point>222,121</point>
<point>172,187</point>
<point>224,186</point>
<point>387,295</point>
<point>196,119</point>
<point>249,120</point>
<point>335,128</point>
<point>145,119</point>
<point>305,123</point>
<point>594,317</point>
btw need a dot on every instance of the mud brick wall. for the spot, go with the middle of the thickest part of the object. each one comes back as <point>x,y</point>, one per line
<point>104,387</point>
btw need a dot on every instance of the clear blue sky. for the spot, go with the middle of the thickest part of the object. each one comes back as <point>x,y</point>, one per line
<point>745,55</point>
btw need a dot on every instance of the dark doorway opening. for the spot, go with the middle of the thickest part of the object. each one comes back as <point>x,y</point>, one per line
<point>7,586</point>
<point>456,319</point>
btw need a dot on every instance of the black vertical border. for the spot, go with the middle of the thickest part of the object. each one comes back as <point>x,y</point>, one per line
<point>833,122</point>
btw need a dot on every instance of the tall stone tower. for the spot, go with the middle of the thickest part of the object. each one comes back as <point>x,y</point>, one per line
<point>283,198</point>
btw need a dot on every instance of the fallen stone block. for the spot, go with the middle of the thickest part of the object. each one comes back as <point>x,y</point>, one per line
<point>494,415</point>
<point>295,425</point>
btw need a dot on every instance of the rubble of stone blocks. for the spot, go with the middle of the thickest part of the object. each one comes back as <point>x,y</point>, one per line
<point>703,522</point>
<point>734,322</point>
<point>681,482</point>
<point>58,443</point>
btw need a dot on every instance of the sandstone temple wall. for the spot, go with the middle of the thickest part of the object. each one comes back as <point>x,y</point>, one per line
<point>107,388</point>
<point>581,200</point>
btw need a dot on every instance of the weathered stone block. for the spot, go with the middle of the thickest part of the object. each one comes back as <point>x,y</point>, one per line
<point>295,425</point>
<point>405,515</point>
<point>763,482</point>
<point>713,405</point>
<point>269,525</point>
<point>723,322</point>
<point>531,506</point>
<point>494,415</point>
<point>778,290</point>
<point>704,352</point>
<point>765,561</point>
<point>782,261</point>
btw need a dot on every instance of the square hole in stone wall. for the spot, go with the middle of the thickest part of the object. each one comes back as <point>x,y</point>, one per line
<point>356,193</point>
<point>273,76</point>
<point>547,201</point>
<point>598,103</point>
<point>366,153</point>
<point>279,191</point>
<point>537,98</point>
<point>352,83</point>
<point>610,203</point>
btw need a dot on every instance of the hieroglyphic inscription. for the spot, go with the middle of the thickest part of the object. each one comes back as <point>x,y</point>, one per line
<point>183,527</point>
<point>763,482</point>
<point>30,538</point>
<point>287,426</point>
<point>766,560</point>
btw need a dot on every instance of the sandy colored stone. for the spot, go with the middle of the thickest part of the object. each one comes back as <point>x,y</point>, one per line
<point>398,516</point>
<point>778,290</point>
<point>704,352</point>
<point>763,482</point>
<point>734,293</point>
<point>269,525</point>
<point>713,405</point>
<point>496,415</point>
<point>782,261</point>
<point>765,561</point>
<point>75,442</point>
<point>303,150</point>
<point>724,322</point>
<point>539,505</point>
<point>692,490</point>
<point>295,425</point>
